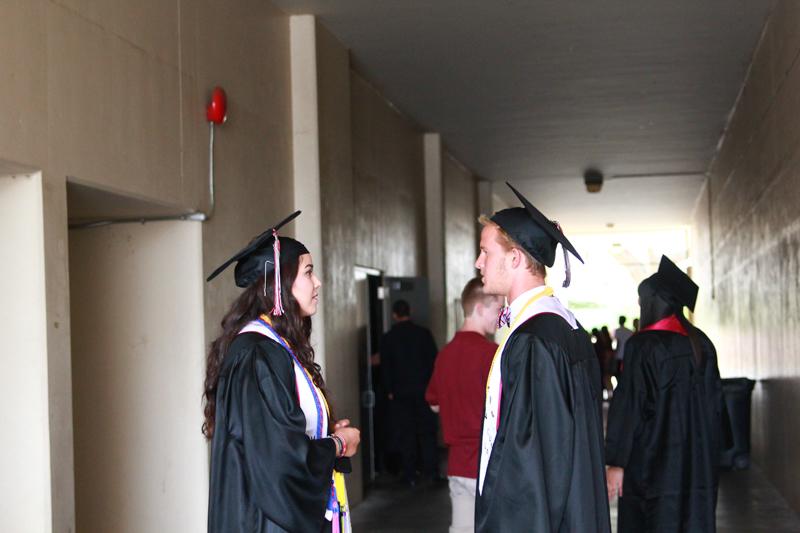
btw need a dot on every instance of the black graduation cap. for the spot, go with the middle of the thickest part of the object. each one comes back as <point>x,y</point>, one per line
<point>537,234</point>
<point>674,285</point>
<point>260,257</point>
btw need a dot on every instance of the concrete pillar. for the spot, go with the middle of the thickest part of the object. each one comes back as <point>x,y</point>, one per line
<point>25,484</point>
<point>434,231</point>
<point>305,155</point>
<point>59,354</point>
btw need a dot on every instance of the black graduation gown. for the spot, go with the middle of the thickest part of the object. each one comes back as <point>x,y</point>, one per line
<point>664,429</point>
<point>267,475</point>
<point>546,472</point>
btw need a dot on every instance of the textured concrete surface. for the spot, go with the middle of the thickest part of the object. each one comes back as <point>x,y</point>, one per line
<point>536,91</point>
<point>461,232</point>
<point>746,252</point>
<point>373,210</point>
<point>748,503</point>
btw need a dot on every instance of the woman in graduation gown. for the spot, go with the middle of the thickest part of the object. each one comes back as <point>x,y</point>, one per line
<point>276,457</point>
<point>664,424</point>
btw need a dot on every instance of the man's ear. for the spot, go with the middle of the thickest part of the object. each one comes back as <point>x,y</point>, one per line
<point>516,258</point>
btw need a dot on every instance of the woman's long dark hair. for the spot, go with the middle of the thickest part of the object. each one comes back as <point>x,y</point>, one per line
<point>253,302</point>
<point>694,338</point>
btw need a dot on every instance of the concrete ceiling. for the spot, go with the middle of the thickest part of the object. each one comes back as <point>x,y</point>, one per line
<point>536,91</point>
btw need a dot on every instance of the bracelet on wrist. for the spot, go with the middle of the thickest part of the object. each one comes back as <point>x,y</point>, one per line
<point>339,444</point>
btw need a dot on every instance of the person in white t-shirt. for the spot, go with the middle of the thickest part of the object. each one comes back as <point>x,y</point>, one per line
<point>621,336</point>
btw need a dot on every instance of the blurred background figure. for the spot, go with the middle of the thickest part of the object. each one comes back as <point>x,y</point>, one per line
<point>605,354</point>
<point>457,390</point>
<point>407,354</point>
<point>621,336</point>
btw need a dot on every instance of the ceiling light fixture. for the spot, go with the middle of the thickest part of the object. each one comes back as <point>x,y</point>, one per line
<point>593,179</point>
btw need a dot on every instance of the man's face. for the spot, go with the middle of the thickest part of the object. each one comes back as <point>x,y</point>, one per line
<point>493,262</point>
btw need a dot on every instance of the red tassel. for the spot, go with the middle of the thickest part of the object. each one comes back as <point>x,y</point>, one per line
<point>277,308</point>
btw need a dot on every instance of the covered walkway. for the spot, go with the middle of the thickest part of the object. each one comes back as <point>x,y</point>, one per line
<point>392,125</point>
<point>748,503</point>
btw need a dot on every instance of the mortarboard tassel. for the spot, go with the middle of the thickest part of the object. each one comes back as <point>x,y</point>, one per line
<point>277,308</point>
<point>567,271</point>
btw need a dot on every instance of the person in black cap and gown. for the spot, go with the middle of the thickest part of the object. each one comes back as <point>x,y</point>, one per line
<point>664,424</point>
<point>277,457</point>
<point>541,465</point>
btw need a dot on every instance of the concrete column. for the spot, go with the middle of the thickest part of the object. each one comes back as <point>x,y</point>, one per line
<point>25,485</point>
<point>434,230</point>
<point>485,201</point>
<point>305,156</point>
<point>59,353</point>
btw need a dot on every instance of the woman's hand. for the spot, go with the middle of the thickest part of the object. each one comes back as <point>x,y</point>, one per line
<point>350,436</point>
<point>614,477</point>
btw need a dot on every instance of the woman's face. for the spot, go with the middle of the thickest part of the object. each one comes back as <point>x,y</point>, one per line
<point>305,288</point>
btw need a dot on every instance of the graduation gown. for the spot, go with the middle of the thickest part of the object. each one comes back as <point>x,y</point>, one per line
<point>267,475</point>
<point>664,429</point>
<point>546,470</point>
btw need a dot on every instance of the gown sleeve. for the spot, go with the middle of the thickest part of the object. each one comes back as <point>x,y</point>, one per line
<point>530,467</point>
<point>289,473</point>
<point>626,409</point>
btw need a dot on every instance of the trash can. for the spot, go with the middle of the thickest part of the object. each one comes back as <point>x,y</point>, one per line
<point>736,423</point>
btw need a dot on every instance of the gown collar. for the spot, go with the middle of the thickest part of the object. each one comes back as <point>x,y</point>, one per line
<point>671,323</point>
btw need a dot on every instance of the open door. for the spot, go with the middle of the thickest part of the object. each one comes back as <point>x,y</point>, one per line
<point>370,322</point>
<point>412,290</point>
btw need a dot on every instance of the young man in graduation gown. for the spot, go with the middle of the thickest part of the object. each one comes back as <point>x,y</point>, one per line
<point>664,423</point>
<point>541,465</point>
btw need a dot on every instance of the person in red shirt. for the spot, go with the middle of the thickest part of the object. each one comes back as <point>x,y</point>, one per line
<point>456,391</point>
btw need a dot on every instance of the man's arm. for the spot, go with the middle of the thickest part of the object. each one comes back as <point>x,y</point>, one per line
<point>432,392</point>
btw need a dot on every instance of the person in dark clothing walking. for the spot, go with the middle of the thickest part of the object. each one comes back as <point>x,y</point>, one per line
<point>664,423</point>
<point>407,353</point>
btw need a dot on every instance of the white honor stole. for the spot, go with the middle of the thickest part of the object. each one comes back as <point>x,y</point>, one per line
<point>530,303</point>
<point>308,394</point>
<point>315,410</point>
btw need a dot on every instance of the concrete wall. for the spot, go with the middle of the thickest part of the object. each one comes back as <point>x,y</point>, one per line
<point>372,184</point>
<point>338,236</point>
<point>112,95</point>
<point>747,247</point>
<point>461,235</point>
<point>137,366</point>
<point>388,169</point>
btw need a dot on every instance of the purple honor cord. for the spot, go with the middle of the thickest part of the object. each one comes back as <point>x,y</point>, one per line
<point>310,383</point>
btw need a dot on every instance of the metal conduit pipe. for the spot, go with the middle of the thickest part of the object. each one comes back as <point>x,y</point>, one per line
<point>216,114</point>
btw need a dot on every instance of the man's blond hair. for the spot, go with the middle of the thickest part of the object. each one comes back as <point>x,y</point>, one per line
<point>508,244</point>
